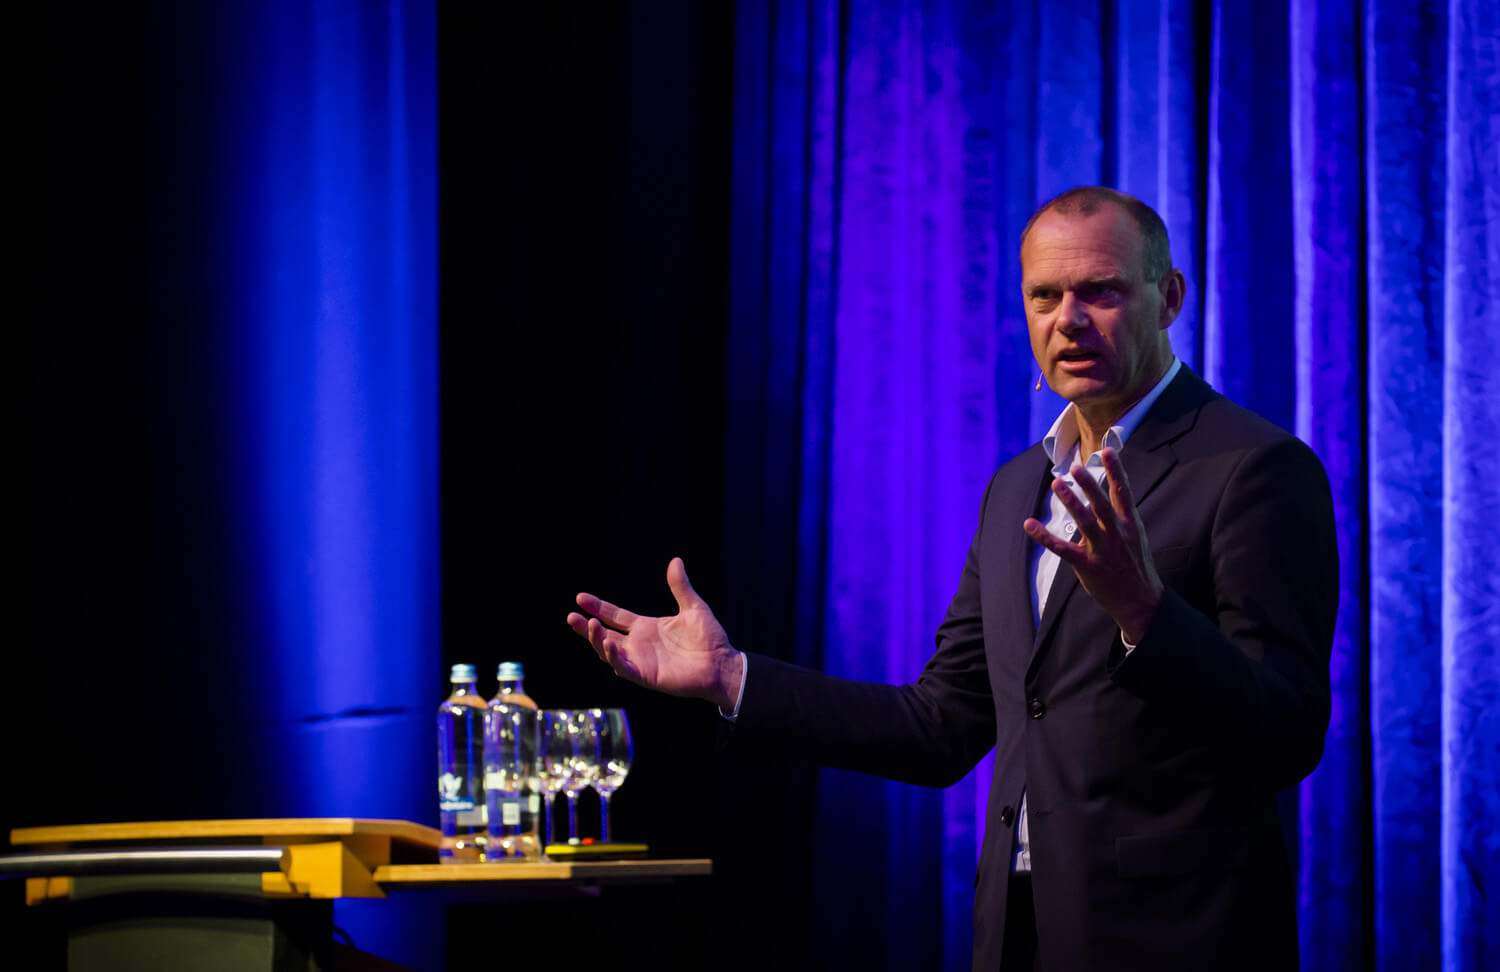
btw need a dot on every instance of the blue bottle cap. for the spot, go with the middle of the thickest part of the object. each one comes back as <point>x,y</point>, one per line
<point>511,670</point>
<point>463,673</point>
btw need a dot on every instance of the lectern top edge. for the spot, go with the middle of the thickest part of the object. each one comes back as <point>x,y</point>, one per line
<point>247,828</point>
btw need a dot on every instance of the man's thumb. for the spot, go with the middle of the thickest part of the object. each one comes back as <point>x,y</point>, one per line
<point>682,588</point>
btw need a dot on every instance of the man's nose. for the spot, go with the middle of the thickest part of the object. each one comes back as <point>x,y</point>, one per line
<point>1072,315</point>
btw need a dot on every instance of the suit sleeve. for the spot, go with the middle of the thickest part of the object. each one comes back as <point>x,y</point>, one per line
<point>1256,677</point>
<point>931,732</point>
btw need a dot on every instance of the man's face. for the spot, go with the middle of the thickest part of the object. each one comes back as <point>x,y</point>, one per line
<point>1095,320</point>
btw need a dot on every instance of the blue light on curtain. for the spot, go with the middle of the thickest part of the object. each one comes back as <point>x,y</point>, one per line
<point>331,207</point>
<point>1156,65</point>
<point>1329,176</point>
<point>1470,805</point>
<point>1325,350</point>
<point>325,206</point>
<point>1404,97</point>
<point>912,379</point>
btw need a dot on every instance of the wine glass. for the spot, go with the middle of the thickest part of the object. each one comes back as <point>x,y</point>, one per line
<point>585,764</point>
<point>555,764</point>
<point>612,735</point>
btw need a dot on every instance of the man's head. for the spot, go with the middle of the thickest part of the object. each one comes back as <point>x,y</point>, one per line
<point>1100,291</point>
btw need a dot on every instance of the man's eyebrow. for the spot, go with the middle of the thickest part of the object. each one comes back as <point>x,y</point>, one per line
<point>1104,280</point>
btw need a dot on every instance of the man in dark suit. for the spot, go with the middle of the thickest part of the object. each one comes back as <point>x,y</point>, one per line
<point>1141,632</point>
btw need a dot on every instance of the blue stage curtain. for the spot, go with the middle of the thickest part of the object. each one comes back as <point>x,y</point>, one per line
<point>1470,629</point>
<point>1405,63</point>
<point>1319,361</point>
<point>325,208</point>
<point>1330,177</point>
<point>313,130</point>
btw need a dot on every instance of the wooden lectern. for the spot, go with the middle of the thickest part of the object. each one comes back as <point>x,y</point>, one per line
<point>257,895</point>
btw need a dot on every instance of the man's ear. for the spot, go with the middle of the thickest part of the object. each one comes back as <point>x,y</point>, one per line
<point>1173,292</point>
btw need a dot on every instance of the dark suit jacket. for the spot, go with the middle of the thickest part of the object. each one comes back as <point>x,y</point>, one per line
<point>1150,779</point>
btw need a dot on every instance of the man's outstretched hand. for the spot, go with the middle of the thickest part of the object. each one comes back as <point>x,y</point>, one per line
<point>685,654</point>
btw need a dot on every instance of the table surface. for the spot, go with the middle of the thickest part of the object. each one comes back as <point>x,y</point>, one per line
<point>431,875</point>
<point>312,871</point>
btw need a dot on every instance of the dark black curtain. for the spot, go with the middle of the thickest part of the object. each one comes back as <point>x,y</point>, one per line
<point>583,176</point>
<point>584,170</point>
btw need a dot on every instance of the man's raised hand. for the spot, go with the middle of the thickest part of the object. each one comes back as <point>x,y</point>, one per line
<point>685,654</point>
<point>1112,559</point>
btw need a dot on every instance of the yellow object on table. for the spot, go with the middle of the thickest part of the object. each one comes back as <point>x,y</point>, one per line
<point>596,852</point>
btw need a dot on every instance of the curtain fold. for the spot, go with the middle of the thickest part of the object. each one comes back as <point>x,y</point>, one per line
<point>1470,817</point>
<point>1325,374</point>
<point>302,144</point>
<point>1404,97</point>
<point>1328,176</point>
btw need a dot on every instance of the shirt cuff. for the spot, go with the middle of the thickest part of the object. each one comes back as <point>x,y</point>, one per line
<point>1123,640</point>
<point>740,695</point>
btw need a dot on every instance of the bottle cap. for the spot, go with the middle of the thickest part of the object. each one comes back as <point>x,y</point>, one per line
<point>463,673</point>
<point>511,670</point>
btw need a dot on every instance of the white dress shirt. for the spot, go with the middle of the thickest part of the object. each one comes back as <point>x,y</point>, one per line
<point>1061,445</point>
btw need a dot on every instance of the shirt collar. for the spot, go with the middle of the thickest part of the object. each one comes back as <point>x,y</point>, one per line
<point>1063,436</point>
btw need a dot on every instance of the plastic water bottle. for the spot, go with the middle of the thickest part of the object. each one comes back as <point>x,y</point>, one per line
<point>461,769</point>
<point>512,791</point>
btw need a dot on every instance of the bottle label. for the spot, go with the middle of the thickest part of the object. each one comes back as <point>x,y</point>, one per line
<point>451,794</point>
<point>471,818</point>
<point>534,803</point>
<point>510,813</point>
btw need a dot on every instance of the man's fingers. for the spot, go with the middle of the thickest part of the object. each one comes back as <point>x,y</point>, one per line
<point>606,643</point>
<point>611,651</point>
<point>597,635</point>
<point>1068,552</point>
<point>682,588</point>
<point>1099,504</point>
<point>611,614</point>
<point>610,648</point>
<point>1082,515</point>
<point>1119,486</point>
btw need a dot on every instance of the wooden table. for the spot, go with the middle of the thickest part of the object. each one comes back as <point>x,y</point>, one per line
<point>281,920</point>
<point>329,857</point>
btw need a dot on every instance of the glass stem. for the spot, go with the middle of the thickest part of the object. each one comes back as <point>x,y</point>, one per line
<point>572,818</point>
<point>547,821</point>
<point>603,817</point>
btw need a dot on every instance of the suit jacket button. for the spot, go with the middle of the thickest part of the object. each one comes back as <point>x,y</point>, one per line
<point>1007,816</point>
<point>1036,708</point>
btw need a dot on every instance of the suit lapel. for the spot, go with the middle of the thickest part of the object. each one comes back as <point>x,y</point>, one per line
<point>1064,583</point>
<point>1020,552</point>
<point>1147,458</point>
